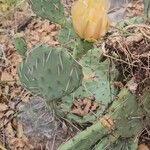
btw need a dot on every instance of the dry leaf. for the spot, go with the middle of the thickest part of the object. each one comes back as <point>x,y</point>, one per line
<point>82,107</point>
<point>3,122</point>
<point>87,103</point>
<point>8,113</point>
<point>3,107</point>
<point>143,147</point>
<point>9,131</point>
<point>19,130</point>
<point>1,115</point>
<point>6,77</point>
<point>94,106</point>
<point>17,143</point>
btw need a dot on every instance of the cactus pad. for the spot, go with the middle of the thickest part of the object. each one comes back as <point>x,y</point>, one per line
<point>50,72</point>
<point>121,144</point>
<point>52,10</point>
<point>126,114</point>
<point>21,46</point>
<point>100,86</point>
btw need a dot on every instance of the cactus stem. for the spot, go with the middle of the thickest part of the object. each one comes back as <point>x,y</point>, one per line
<point>48,55</point>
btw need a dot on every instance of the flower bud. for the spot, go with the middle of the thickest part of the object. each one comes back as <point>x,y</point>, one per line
<point>90,18</point>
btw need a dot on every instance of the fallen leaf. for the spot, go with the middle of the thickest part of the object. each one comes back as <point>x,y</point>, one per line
<point>2,115</point>
<point>143,147</point>
<point>82,107</point>
<point>19,130</point>
<point>17,143</point>
<point>9,131</point>
<point>3,107</point>
<point>6,77</point>
<point>94,106</point>
<point>3,122</point>
<point>87,103</point>
<point>9,113</point>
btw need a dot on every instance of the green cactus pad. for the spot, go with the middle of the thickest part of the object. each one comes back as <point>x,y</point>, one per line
<point>126,114</point>
<point>21,46</point>
<point>121,121</point>
<point>100,86</point>
<point>50,72</point>
<point>120,144</point>
<point>52,10</point>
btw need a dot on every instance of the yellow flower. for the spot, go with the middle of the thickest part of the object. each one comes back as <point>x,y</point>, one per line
<point>90,19</point>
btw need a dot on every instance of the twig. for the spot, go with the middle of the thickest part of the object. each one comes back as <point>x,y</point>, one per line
<point>120,60</point>
<point>52,148</point>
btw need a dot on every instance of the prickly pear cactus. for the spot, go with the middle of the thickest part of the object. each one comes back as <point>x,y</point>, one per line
<point>52,10</point>
<point>50,72</point>
<point>69,39</point>
<point>122,120</point>
<point>97,83</point>
<point>126,114</point>
<point>120,144</point>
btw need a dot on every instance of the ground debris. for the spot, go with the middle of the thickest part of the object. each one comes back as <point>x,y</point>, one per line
<point>131,52</point>
<point>82,107</point>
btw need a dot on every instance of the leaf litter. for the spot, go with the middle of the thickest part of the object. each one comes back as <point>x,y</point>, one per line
<point>35,30</point>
